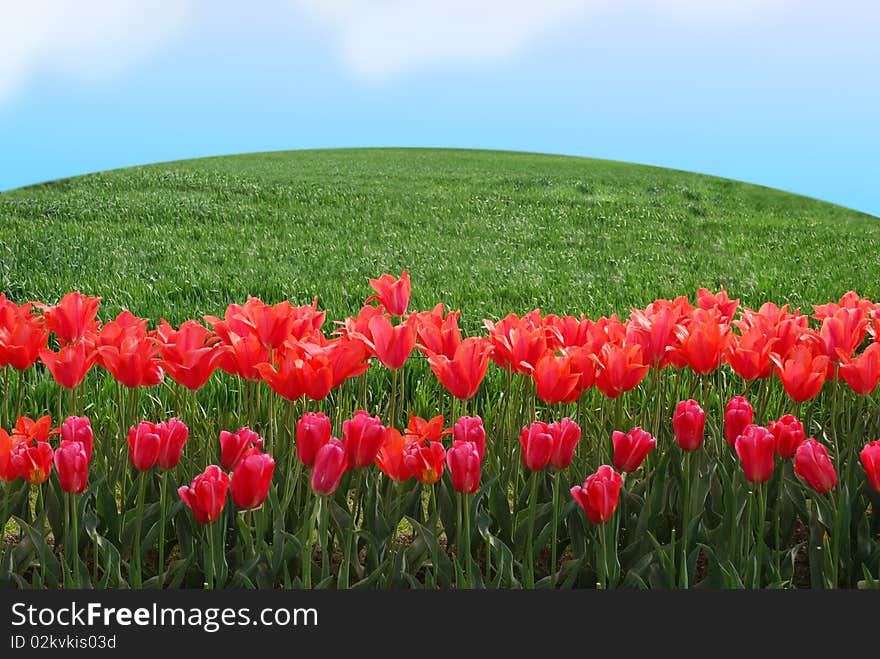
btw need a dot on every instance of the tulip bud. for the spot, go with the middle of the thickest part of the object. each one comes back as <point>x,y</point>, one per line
<point>870,457</point>
<point>312,432</point>
<point>756,447</point>
<point>599,494</point>
<point>143,445</point>
<point>471,429</point>
<point>78,429</point>
<point>464,462</point>
<point>72,465</point>
<point>566,435</point>
<point>812,464</point>
<point>251,479</point>
<point>329,466</point>
<point>737,415</point>
<point>688,423</point>
<point>631,449</point>
<point>537,445</point>
<point>234,446</point>
<point>362,437</point>
<point>173,434</point>
<point>788,433</point>
<point>206,495</point>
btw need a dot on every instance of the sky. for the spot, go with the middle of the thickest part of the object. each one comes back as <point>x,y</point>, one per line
<point>783,93</point>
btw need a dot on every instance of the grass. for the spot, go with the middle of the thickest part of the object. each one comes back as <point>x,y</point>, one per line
<point>487,232</point>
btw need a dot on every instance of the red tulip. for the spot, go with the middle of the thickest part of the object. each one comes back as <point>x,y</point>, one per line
<point>283,377</point>
<point>362,437</point>
<point>517,343</point>
<point>620,368</point>
<point>22,335</point>
<point>471,429</point>
<point>173,434</point>
<point>654,332</point>
<point>703,341</point>
<point>737,415</point>
<point>132,359</point>
<point>8,472</point>
<point>756,448</point>
<point>30,431</point>
<point>234,446</point>
<point>688,423</point>
<point>392,293</point>
<point>631,449</point>
<point>330,464</point>
<point>32,461</point>
<point>143,445</point>
<point>566,331</point>
<point>862,373</point>
<point>464,462</point>
<point>391,344</point>
<point>72,317</point>
<point>537,445</point>
<point>802,372</point>
<point>390,460</point>
<point>251,479</point>
<point>347,358</point>
<point>72,465</point>
<point>464,371</point>
<point>566,434</point>
<point>599,494</point>
<point>435,334</point>
<point>78,429</point>
<point>789,433</point>
<point>425,461</point>
<point>191,354</point>
<point>720,302</point>
<point>843,332</point>
<point>69,365</point>
<point>206,495</point>
<point>582,363</point>
<point>870,457</point>
<point>749,354</point>
<point>812,464</point>
<point>312,432</point>
<point>423,430</point>
<point>555,380</point>
<point>272,324</point>
<point>242,355</point>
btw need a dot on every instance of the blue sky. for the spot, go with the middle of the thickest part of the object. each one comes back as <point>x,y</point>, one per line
<point>784,93</point>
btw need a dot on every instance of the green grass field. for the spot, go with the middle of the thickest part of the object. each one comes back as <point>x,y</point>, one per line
<point>487,232</point>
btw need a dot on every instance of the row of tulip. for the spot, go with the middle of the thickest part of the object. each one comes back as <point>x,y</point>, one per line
<point>720,492</point>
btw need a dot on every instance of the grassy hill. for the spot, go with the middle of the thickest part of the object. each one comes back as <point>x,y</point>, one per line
<point>487,232</point>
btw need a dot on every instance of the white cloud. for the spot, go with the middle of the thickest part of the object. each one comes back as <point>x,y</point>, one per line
<point>382,38</point>
<point>82,38</point>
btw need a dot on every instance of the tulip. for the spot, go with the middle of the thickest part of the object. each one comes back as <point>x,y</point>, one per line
<point>842,332</point>
<point>251,479</point>
<point>620,368</point>
<point>206,494</point>
<point>392,293</point>
<point>517,343</point>
<point>330,462</point>
<point>702,342</point>
<point>72,317</point>
<point>78,429</point>
<point>69,365</point>
<point>8,472</point>
<point>471,429</point>
<point>688,423</point>
<point>737,415</point>
<point>599,494</point>
<point>29,431</point>
<point>362,437</point>
<point>537,445</point>
<point>862,374</point>
<point>347,359</point>
<point>870,457</point>
<point>749,354</point>
<point>566,434</point>
<point>435,334</point>
<point>631,449</point>
<point>423,430</point>
<point>390,460</point>
<point>555,381</point>
<point>72,465</point>
<point>234,446</point>
<point>312,432</point>
<point>391,344</point>
<point>271,324</point>
<point>802,372</point>
<point>812,464</point>
<point>464,461</point>
<point>242,355</point>
<point>173,434</point>
<point>32,461</point>
<point>756,447</point>
<point>789,433</point>
<point>425,461</point>
<point>719,302</point>
<point>132,361</point>
<point>190,354</point>
<point>654,332</point>
<point>143,445</point>
<point>462,373</point>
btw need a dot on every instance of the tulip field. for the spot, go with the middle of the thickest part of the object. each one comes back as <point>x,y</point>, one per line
<point>549,393</point>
